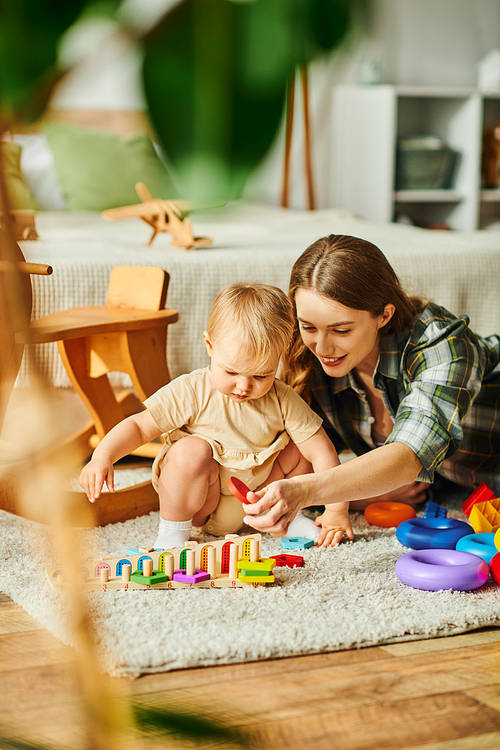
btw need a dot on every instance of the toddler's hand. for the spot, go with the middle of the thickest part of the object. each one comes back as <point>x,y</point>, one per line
<point>335,522</point>
<point>94,475</point>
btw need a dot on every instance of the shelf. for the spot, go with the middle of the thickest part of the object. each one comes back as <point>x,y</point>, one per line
<point>428,196</point>
<point>368,124</point>
<point>443,92</point>
<point>491,196</point>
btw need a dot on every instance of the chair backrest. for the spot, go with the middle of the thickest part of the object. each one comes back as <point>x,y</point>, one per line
<point>137,288</point>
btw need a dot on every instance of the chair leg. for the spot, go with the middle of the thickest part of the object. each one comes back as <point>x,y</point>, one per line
<point>145,360</point>
<point>141,354</point>
<point>96,393</point>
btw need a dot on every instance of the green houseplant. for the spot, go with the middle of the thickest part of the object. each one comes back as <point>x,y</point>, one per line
<point>215,76</point>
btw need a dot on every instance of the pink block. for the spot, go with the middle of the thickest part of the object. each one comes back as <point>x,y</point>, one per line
<point>199,576</point>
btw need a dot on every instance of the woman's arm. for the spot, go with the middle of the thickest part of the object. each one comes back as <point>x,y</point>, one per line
<point>375,473</point>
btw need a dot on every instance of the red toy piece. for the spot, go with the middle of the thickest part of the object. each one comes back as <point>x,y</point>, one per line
<point>480,495</point>
<point>288,561</point>
<point>495,568</point>
<point>239,489</point>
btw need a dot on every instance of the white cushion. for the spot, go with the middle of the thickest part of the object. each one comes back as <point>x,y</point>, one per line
<point>38,167</point>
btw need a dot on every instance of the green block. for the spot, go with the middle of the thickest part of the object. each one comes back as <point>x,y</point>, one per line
<point>157,577</point>
<point>245,572</point>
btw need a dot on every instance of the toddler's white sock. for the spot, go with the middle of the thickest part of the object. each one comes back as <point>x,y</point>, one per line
<point>304,527</point>
<point>172,534</point>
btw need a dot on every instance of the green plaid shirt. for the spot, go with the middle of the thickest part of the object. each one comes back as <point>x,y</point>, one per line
<point>441,385</point>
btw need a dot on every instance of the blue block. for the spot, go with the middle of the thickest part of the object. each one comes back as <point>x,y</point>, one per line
<point>296,542</point>
<point>433,510</point>
<point>137,551</point>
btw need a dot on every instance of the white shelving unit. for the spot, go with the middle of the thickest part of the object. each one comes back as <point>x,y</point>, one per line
<point>367,123</point>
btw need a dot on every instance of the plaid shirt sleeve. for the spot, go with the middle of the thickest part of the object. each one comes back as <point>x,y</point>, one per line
<point>440,375</point>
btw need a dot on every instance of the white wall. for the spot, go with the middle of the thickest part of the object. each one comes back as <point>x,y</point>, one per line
<point>428,42</point>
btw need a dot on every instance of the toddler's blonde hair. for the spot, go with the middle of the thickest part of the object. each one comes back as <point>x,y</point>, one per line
<point>260,315</point>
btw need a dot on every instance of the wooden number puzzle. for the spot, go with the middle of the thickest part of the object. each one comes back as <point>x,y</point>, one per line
<point>234,561</point>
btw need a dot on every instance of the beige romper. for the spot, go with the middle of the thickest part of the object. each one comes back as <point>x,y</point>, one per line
<point>246,437</point>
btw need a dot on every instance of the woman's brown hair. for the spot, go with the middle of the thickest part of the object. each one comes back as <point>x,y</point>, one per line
<point>354,273</point>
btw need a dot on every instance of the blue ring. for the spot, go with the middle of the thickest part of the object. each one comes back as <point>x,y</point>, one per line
<point>432,533</point>
<point>481,545</point>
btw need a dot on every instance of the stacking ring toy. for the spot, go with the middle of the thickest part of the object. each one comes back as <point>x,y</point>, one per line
<point>496,540</point>
<point>478,544</point>
<point>388,514</point>
<point>441,569</point>
<point>432,533</point>
<point>495,568</point>
<point>238,489</point>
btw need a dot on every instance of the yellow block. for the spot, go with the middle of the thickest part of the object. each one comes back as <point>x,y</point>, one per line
<point>264,563</point>
<point>485,517</point>
<point>257,579</point>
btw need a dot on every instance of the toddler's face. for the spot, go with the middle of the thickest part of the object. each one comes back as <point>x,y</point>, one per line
<point>235,376</point>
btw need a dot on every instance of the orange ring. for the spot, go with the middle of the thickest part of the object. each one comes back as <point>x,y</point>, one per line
<point>389,514</point>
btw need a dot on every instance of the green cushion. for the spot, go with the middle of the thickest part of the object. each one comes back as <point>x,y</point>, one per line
<point>98,169</point>
<point>19,194</point>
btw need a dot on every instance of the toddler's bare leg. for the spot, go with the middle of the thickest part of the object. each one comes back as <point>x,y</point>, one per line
<point>189,490</point>
<point>290,463</point>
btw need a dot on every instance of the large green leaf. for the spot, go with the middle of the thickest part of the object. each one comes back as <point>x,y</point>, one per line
<point>215,76</point>
<point>202,730</point>
<point>30,32</point>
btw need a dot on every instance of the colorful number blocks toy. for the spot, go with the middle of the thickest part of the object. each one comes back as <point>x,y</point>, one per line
<point>483,509</point>
<point>259,571</point>
<point>255,569</point>
<point>233,561</point>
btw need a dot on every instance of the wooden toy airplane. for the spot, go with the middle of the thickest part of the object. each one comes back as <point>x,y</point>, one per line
<point>163,216</point>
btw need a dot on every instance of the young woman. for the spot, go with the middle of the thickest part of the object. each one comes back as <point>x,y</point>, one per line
<point>404,384</point>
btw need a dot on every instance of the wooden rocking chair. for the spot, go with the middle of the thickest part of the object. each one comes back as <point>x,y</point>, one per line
<point>128,334</point>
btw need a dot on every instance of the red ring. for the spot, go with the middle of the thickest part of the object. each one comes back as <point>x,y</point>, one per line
<point>238,489</point>
<point>388,514</point>
<point>495,567</point>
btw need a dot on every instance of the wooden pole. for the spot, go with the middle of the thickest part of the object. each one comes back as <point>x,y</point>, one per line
<point>211,562</point>
<point>308,168</point>
<point>290,103</point>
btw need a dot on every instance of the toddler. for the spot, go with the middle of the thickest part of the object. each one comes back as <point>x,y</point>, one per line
<point>233,418</point>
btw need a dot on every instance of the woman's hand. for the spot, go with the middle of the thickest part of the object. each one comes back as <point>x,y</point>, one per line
<point>334,522</point>
<point>94,475</point>
<point>281,499</point>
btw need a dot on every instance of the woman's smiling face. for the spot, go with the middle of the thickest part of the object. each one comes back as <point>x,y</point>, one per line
<point>340,337</point>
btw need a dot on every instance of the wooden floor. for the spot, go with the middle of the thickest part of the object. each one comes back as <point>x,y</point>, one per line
<point>440,694</point>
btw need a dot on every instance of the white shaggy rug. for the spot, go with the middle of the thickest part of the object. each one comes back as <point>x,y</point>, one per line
<point>347,597</point>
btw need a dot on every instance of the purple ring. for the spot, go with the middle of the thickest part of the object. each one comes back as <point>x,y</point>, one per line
<point>441,569</point>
